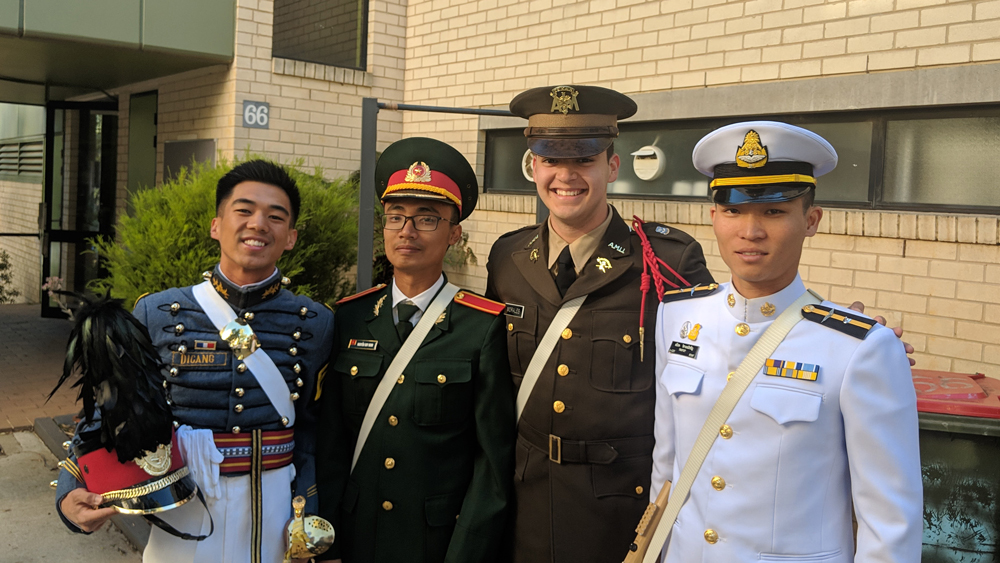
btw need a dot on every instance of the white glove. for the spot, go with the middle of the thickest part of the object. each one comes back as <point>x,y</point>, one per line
<point>202,458</point>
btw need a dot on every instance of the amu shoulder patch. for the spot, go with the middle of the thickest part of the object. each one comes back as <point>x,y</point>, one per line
<point>362,294</point>
<point>848,323</point>
<point>479,303</point>
<point>689,292</point>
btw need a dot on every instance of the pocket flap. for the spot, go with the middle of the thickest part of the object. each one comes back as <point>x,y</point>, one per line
<point>681,378</point>
<point>358,364</point>
<point>442,372</point>
<point>785,404</point>
<point>526,322</point>
<point>442,510</point>
<point>617,326</point>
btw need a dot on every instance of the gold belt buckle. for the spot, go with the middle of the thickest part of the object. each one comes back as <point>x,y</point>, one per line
<point>557,441</point>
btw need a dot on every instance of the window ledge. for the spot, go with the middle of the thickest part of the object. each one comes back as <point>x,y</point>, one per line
<point>330,73</point>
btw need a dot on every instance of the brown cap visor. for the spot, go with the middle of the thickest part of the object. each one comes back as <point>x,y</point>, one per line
<point>569,148</point>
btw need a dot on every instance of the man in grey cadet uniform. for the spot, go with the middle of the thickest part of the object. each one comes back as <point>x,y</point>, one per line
<point>246,456</point>
<point>829,417</point>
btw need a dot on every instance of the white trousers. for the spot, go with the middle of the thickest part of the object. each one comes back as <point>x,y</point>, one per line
<point>230,543</point>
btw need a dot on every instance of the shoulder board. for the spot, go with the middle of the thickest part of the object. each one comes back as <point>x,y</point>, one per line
<point>659,230</point>
<point>136,304</point>
<point>848,323</point>
<point>516,231</point>
<point>327,305</point>
<point>689,292</point>
<point>479,303</point>
<point>362,294</point>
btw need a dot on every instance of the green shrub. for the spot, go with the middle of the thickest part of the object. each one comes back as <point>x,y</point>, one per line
<point>7,294</point>
<point>163,241</point>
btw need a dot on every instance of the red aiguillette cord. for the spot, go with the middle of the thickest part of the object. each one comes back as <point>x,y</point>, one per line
<point>651,268</point>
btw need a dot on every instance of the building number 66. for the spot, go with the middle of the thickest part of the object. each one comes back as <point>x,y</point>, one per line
<point>255,115</point>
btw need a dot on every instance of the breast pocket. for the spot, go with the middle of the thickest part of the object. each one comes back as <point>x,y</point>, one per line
<point>680,378</point>
<point>358,373</point>
<point>521,338</point>
<point>443,391</point>
<point>785,404</point>
<point>615,350</point>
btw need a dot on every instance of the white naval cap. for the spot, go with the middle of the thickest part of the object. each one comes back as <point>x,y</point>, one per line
<point>762,161</point>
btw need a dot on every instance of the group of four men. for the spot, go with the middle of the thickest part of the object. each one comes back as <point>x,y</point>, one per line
<point>418,447</point>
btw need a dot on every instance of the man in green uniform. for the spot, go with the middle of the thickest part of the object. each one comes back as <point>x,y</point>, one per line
<point>421,371</point>
<point>585,437</point>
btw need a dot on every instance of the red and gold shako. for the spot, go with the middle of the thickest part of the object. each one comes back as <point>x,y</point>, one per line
<point>424,168</point>
<point>156,482</point>
<point>762,161</point>
<point>571,121</point>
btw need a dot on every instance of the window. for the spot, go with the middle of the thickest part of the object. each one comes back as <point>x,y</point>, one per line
<point>328,32</point>
<point>937,159</point>
<point>22,141</point>
<point>22,158</point>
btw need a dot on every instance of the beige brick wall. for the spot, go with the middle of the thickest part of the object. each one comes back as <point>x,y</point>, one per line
<point>943,291</point>
<point>19,214</point>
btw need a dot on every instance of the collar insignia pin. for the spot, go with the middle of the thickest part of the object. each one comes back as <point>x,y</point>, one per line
<point>534,255</point>
<point>731,300</point>
<point>378,304</point>
<point>603,264</point>
<point>685,329</point>
<point>767,309</point>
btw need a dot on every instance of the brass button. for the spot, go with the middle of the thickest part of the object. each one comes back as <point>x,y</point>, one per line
<point>165,384</point>
<point>393,420</point>
<point>510,327</point>
<point>297,368</point>
<point>743,329</point>
<point>386,505</point>
<point>299,382</point>
<point>174,372</point>
<point>239,391</point>
<point>296,335</point>
<point>248,315</point>
<point>179,329</point>
<point>285,281</point>
<point>730,376</point>
<point>294,396</point>
<point>726,431</point>
<point>236,429</point>
<point>293,351</point>
<point>563,370</point>
<point>731,300</point>
<point>711,536</point>
<point>304,311</point>
<point>241,368</point>
<point>400,379</point>
<point>638,490</point>
<point>627,339</point>
<point>567,334</point>
<point>182,349</point>
<point>284,421</point>
<point>174,307</point>
<point>559,406</point>
<point>442,378</point>
<point>66,445</point>
<point>718,483</point>
<point>390,463</point>
<point>238,408</point>
<point>354,370</point>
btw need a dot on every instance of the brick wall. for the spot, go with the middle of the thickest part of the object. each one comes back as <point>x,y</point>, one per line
<point>19,214</point>
<point>941,286</point>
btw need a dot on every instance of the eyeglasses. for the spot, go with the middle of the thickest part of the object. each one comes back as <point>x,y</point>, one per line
<point>396,222</point>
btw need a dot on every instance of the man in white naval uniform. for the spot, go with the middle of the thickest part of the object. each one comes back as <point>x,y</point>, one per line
<point>830,418</point>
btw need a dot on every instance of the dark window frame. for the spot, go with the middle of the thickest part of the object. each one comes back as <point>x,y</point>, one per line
<point>361,53</point>
<point>879,120</point>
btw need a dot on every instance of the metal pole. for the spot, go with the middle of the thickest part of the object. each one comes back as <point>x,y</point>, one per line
<point>440,109</point>
<point>366,206</point>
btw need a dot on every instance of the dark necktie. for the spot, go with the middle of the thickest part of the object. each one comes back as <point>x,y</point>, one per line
<point>565,271</point>
<point>405,311</point>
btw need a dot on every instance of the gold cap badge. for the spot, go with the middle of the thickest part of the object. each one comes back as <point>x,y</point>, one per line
<point>418,172</point>
<point>564,99</point>
<point>751,154</point>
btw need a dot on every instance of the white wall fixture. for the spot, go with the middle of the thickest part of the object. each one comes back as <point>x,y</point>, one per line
<point>648,163</point>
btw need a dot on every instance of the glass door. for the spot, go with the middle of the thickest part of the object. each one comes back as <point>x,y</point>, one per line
<point>81,156</point>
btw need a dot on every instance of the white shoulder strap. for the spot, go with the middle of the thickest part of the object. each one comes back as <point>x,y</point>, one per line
<point>399,363</point>
<point>259,363</point>
<point>541,356</point>
<point>731,394</point>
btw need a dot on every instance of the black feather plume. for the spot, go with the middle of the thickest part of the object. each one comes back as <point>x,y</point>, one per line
<point>119,370</point>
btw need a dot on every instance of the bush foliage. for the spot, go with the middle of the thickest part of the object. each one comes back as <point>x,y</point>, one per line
<point>7,294</point>
<point>163,241</point>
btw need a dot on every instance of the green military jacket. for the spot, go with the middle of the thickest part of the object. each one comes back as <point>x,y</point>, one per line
<point>433,481</point>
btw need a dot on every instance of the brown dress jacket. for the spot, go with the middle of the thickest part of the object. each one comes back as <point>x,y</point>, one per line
<point>593,403</point>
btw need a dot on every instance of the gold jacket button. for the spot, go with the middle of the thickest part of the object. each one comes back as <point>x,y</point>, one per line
<point>711,536</point>
<point>726,431</point>
<point>442,378</point>
<point>743,329</point>
<point>53,484</point>
<point>627,339</point>
<point>174,307</point>
<point>567,334</point>
<point>238,408</point>
<point>559,406</point>
<point>354,370</point>
<point>563,370</point>
<point>718,483</point>
<point>236,429</point>
<point>390,463</point>
<point>182,349</point>
<point>400,379</point>
<point>303,311</point>
<point>638,490</point>
<point>510,327</point>
<point>296,335</point>
<point>297,368</point>
<point>248,315</point>
<point>66,445</point>
<point>165,384</point>
<point>298,381</point>
<point>386,506</point>
<point>179,329</point>
<point>241,368</point>
<point>393,420</point>
<point>174,372</point>
<point>294,396</point>
<point>284,421</point>
<point>293,351</point>
<point>239,391</point>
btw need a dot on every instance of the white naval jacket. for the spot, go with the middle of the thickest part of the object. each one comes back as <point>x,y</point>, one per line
<point>780,487</point>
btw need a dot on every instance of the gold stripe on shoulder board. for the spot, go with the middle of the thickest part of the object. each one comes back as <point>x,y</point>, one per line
<point>692,290</point>
<point>830,314</point>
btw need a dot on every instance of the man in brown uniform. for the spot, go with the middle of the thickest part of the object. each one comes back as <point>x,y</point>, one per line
<point>585,437</point>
